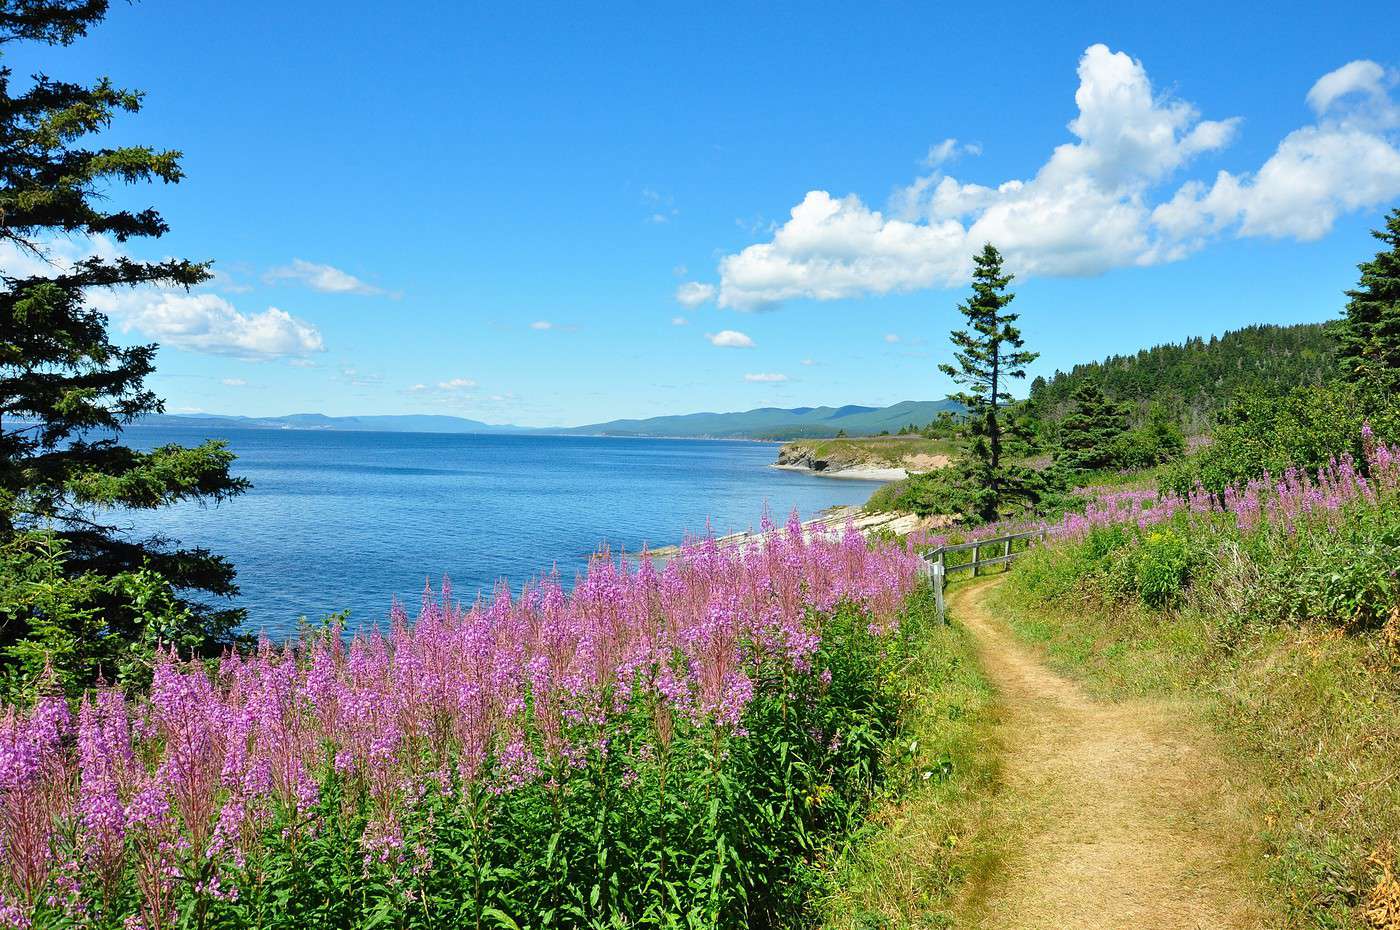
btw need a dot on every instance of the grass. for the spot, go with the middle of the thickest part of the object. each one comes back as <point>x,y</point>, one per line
<point>1309,715</point>
<point>925,842</point>
<point>885,451</point>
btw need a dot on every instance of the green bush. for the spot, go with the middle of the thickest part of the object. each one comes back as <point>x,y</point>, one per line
<point>1156,441</point>
<point>79,626</point>
<point>888,497</point>
<point>1161,567</point>
<point>927,494</point>
<point>1304,428</point>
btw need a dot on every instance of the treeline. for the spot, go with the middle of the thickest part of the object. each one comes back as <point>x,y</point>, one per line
<point>1194,380</point>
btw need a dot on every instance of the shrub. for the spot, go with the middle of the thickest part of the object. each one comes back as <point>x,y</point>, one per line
<point>1351,577</point>
<point>927,494</point>
<point>1161,567</point>
<point>76,626</point>
<point>889,497</point>
<point>1303,429</point>
<point>1157,441</point>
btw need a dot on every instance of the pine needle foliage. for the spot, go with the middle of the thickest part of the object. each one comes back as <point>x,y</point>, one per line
<point>66,389</point>
<point>990,352</point>
<point>1369,333</point>
<point>1087,436</point>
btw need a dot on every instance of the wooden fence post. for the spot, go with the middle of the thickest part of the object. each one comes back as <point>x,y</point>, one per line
<point>938,572</point>
<point>976,559</point>
<point>1006,554</point>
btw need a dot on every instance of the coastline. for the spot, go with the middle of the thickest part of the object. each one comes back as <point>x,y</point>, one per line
<point>850,472</point>
<point>832,521</point>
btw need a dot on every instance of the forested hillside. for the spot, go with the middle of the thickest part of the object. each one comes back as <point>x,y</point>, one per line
<point>1194,379</point>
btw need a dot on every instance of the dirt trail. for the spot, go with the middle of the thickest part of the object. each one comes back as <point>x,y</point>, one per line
<point>1116,815</point>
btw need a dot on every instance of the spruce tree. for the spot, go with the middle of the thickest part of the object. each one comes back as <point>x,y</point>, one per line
<point>1369,333</point>
<point>1087,438</point>
<point>990,353</point>
<point>67,390</point>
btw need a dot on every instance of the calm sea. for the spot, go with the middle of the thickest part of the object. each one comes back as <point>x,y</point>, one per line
<point>342,520</point>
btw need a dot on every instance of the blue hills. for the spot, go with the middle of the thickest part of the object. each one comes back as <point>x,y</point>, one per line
<point>763,423</point>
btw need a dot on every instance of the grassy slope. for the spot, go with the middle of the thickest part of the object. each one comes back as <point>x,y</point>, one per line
<point>884,451</point>
<point>924,843</point>
<point>1311,716</point>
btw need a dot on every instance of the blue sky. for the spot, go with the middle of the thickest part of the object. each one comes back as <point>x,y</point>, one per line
<point>491,210</point>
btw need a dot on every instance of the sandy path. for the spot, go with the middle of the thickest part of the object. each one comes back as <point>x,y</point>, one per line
<point>1116,815</point>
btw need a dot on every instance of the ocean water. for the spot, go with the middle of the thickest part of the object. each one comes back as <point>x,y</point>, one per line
<point>350,520</point>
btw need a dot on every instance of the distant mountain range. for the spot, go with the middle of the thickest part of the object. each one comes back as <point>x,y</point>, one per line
<point>763,423</point>
<point>405,423</point>
<point>779,422</point>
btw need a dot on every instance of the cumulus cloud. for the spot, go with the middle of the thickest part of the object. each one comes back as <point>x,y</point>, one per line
<point>891,337</point>
<point>324,278</point>
<point>693,294</point>
<point>457,384</point>
<point>209,323</point>
<point>235,382</point>
<point>765,378</point>
<point>1366,78</point>
<point>679,321</point>
<point>199,322</point>
<point>542,325</point>
<point>1346,161</point>
<point>730,339</point>
<point>1095,203</point>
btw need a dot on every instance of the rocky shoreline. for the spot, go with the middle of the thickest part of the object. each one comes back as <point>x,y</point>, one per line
<point>832,521</point>
<point>855,472</point>
<point>861,460</point>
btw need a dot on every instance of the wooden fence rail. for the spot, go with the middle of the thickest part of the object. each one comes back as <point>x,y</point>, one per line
<point>938,567</point>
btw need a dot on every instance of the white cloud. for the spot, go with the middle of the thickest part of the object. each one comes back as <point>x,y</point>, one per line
<point>235,382</point>
<point>891,337</point>
<point>1346,161</point>
<point>809,362</point>
<point>1355,77</point>
<point>693,294</point>
<point>324,278</point>
<point>730,339</point>
<point>457,384</point>
<point>948,150</point>
<point>765,378</point>
<point>209,323</point>
<point>542,325</point>
<point>1091,206</point>
<point>679,321</point>
<point>199,322</point>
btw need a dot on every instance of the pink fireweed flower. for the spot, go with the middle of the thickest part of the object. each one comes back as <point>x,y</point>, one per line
<point>33,784</point>
<point>497,694</point>
<point>104,761</point>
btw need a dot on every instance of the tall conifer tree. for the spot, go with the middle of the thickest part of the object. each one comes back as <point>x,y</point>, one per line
<point>990,353</point>
<point>67,390</point>
<point>1369,333</point>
